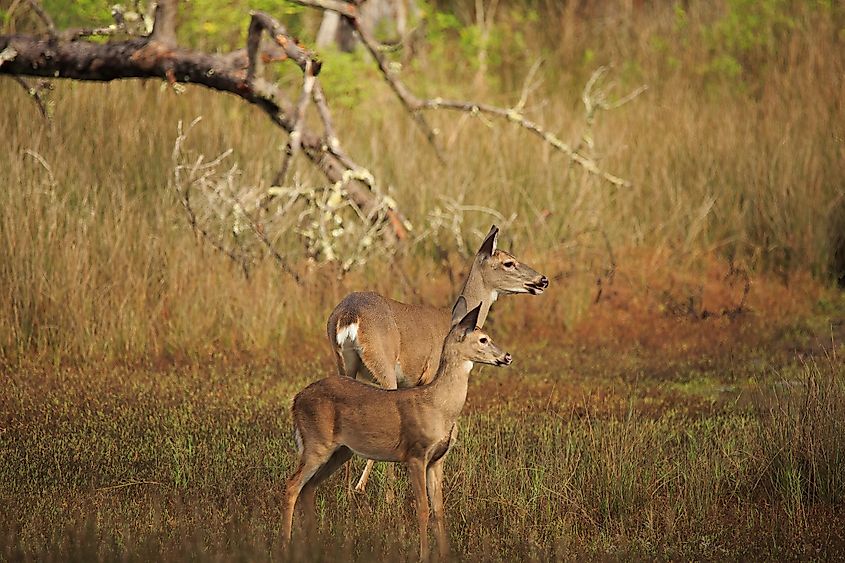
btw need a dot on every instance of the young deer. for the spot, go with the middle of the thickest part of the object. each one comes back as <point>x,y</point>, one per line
<point>338,416</point>
<point>398,345</point>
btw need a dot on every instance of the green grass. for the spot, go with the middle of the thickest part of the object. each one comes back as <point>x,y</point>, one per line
<point>190,461</point>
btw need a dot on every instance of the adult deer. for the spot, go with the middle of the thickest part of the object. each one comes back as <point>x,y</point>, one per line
<point>338,416</point>
<point>398,345</point>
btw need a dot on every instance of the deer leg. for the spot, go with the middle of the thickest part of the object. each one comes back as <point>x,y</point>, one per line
<point>309,464</point>
<point>292,488</point>
<point>389,477</point>
<point>348,360</point>
<point>417,473</point>
<point>308,495</point>
<point>434,487</point>
<point>382,370</point>
<point>365,476</point>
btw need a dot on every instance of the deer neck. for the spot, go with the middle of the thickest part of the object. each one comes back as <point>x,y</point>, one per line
<point>449,388</point>
<point>476,291</point>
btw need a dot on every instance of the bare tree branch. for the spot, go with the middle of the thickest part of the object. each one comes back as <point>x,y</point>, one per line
<point>260,233</point>
<point>595,98</point>
<point>158,57</point>
<point>261,21</point>
<point>516,117</point>
<point>43,16</point>
<point>415,105</point>
<point>213,241</point>
<point>36,93</point>
<point>326,117</point>
<point>528,85</point>
<point>310,68</point>
<point>406,97</point>
<point>195,175</point>
<point>295,138</point>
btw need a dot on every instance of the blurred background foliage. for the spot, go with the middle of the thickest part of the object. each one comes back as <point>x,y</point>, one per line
<point>734,38</point>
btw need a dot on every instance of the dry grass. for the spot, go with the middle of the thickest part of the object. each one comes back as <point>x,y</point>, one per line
<point>627,462</point>
<point>643,416</point>
<point>99,263</point>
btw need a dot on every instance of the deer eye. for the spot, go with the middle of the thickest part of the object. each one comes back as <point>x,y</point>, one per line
<point>483,340</point>
<point>508,264</point>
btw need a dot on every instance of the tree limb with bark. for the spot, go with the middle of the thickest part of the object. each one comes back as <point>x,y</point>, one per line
<point>69,54</point>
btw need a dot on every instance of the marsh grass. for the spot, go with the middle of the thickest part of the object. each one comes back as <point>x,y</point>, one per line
<point>189,463</point>
<point>147,382</point>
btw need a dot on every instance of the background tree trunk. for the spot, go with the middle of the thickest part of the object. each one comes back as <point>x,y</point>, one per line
<point>392,14</point>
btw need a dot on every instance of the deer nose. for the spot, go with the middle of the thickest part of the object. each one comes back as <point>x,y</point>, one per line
<point>507,360</point>
<point>544,282</point>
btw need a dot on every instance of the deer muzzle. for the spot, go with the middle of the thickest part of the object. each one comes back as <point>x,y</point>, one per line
<point>536,287</point>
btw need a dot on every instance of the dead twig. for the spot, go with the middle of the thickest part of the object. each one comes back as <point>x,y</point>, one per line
<point>408,99</point>
<point>260,232</point>
<point>596,98</point>
<point>518,118</point>
<point>325,116</point>
<point>295,137</point>
<point>132,483</point>
<point>183,186</point>
<point>36,93</point>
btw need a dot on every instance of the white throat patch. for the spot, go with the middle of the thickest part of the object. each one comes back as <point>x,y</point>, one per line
<point>468,366</point>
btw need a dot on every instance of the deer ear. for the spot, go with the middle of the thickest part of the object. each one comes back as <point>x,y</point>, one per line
<point>488,247</point>
<point>459,310</point>
<point>470,320</point>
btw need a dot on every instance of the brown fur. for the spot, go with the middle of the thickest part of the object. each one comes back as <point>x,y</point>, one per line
<point>335,417</point>
<point>398,345</point>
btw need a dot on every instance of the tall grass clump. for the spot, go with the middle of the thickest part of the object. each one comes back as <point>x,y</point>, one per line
<point>803,433</point>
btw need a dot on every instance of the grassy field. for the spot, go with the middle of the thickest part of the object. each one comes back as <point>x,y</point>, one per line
<point>678,392</point>
<point>727,447</point>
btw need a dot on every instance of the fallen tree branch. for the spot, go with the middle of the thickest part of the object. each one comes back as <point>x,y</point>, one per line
<point>260,22</point>
<point>294,140</point>
<point>310,66</point>
<point>36,94</point>
<point>43,16</point>
<point>415,105</point>
<point>406,97</point>
<point>518,118</point>
<point>159,57</point>
<point>164,26</point>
